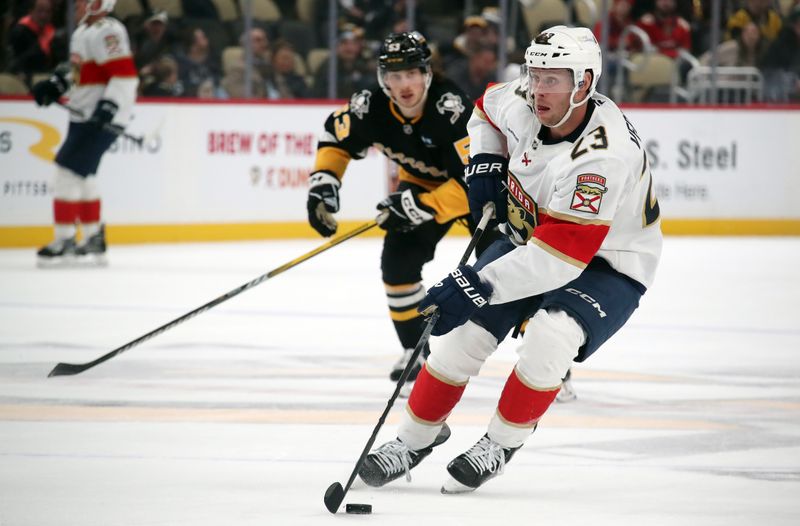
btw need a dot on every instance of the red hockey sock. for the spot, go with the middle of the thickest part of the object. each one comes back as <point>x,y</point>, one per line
<point>90,211</point>
<point>522,404</point>
<point>433,397</point>
<point>65,212</point>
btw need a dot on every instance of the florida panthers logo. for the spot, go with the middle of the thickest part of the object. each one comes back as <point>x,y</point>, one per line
<point>523,212</point>
<point>588,194</point>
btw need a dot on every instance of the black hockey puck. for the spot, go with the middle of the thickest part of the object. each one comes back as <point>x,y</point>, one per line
<point>360,509</point>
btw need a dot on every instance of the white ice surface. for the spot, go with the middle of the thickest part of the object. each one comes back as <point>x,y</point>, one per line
<point>245,414</point>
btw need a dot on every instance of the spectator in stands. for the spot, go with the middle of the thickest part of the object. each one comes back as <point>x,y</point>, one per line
<point>745,50</point>
<point>284,82</point>
<point>262,53</point>
<point>162,81</point>
<point>473,33</point>
<point>619,17</point>
<point>30,41</point>
<point>197,63</point>
<point>759,11</point>
<point>355,72</point>
<point>233,83</point>
<point>479,71</point>
<point>668,31</point>
<point>781,63</point>
<point>379,17</point>
<point>153,42</point>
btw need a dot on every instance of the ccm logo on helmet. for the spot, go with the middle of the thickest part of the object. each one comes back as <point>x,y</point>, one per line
<point>467,288</point>
<point>588,299</point>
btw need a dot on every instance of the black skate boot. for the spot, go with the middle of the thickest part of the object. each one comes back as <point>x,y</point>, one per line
<point>393,460</point>
<point>94,248</point>
<point>57,252</point>
<point>400,365</point>
<point>483,461</point>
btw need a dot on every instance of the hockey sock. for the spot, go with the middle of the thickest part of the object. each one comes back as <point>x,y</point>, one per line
<point>90,217</point>
<point>65,213</point>
<point>434,396</point>
<point>403,301</point>
<point>522,404</point>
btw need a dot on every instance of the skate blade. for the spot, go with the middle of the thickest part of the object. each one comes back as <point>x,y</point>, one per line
<point>66,262</point>
<point>566,396</point>
<point>453,487</point>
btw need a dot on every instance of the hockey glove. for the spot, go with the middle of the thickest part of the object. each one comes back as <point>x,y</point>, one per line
<point>323,202</point>
<point>46,92</point>
<point>485,176</point>
<point>103,113</point>
<point>457,296</point>
<point>404,210</point>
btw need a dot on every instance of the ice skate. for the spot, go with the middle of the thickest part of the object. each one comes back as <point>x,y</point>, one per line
<point>394,459</point>
<point>483,461</point>
<point>93,249</point>
<point>59,252</point>
<point>567,392</point>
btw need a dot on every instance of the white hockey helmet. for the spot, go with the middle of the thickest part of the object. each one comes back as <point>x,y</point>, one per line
<point>562,47</point>
<point>104,6</point>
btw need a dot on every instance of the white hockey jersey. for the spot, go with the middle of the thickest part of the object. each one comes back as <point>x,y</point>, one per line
<point>102,68</point>
<point>589,194</point>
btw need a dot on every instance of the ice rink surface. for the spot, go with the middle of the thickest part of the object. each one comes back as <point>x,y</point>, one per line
<point>245,414</point>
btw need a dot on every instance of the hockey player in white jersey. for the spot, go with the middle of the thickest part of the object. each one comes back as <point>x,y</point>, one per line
<point>573,191</point>
<point>103,79</point>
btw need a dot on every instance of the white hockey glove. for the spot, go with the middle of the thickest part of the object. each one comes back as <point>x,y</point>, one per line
<point>405,211</point>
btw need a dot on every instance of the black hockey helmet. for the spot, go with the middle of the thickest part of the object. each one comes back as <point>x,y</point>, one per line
<point>404,51</point>
<point>401,51</point>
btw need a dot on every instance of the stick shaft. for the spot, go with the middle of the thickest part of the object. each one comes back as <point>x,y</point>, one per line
<point>68,369</point>
<point>106,127</point>
<point>426,334</point>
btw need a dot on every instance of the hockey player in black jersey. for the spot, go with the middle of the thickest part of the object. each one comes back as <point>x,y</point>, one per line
<point>417,120</point>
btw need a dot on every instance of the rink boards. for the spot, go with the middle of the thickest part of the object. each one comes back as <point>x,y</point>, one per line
<point>216,171</point>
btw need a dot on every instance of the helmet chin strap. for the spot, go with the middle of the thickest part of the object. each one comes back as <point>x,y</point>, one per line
<point>572,103</point>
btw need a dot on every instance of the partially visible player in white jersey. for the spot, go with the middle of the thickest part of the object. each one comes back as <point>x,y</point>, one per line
<point>573,191</point>
<point>103,79</point>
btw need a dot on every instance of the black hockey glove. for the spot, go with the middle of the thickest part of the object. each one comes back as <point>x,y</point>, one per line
<point>323,202</point>
<point>46,92</point>
<point>404,211</point>
<point>103,113</point>
<point>486,174</point>
<point>458,296</point>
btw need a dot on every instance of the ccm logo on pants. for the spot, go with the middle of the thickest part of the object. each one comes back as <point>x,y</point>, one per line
<point>588,299</point>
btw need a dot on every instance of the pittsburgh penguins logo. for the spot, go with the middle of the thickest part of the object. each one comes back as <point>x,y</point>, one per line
<point>359,103</point>
<point>450,102</point>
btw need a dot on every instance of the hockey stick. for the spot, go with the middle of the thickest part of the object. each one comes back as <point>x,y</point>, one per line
<point>335,493</point>
<point>66,369</point>
<point>107,127</point>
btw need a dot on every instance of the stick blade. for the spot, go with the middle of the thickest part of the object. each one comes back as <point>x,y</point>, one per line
<point>334,497</point>
<point>66,369</point>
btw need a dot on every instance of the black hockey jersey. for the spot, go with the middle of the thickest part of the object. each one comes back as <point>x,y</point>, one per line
<point>430,150</point>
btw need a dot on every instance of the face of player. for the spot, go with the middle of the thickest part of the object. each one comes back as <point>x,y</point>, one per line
<point>407,87</point>
<point>551,90</point>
